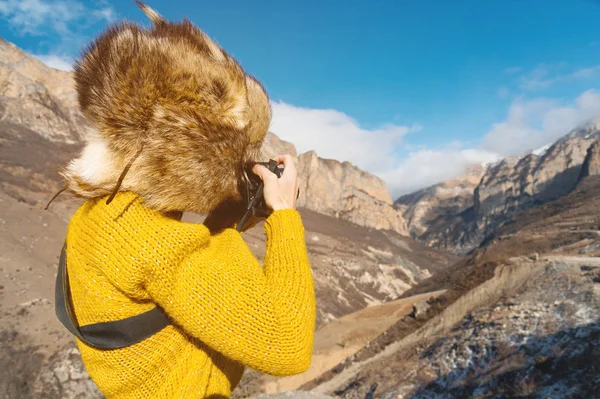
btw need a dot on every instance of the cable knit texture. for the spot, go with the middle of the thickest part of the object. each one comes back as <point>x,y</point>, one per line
<point>227,311</point>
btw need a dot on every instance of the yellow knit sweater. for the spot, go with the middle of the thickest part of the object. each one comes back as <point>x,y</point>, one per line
<point>227,311</point>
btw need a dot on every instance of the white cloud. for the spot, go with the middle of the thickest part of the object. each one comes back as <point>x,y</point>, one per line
<point>63,22</point>
<point>545,75</point>
<point>530,125</point>
<point>56,62</point>
<point>35,16</point>
<point>586,73</point>
<point>333,134</point>
<point>106,13</point>
<point>539,77</point>
<point>534,123</point>
<point>427,167</point>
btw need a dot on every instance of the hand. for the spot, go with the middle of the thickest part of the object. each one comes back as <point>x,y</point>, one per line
<point>279,193</point>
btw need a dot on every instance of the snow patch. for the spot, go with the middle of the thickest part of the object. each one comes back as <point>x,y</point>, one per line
<point>542,150</point>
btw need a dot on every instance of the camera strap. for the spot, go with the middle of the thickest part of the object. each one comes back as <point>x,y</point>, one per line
<point>106,335</point>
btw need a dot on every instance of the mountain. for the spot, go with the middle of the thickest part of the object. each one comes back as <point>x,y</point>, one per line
<point>507,318</point>
<point>434,205</point>
<point>591,164</point>
<point>461,222</point>
<point>39,98</point>
<point>342,190</point>
<point>519,317</point>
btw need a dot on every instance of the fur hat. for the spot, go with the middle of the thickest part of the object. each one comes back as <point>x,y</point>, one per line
<point>178,120</point>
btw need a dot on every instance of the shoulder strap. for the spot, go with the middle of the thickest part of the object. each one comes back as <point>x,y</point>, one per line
<point>108,335</point>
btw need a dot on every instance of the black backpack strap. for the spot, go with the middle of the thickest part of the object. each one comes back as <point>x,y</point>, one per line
<point>107,335</point>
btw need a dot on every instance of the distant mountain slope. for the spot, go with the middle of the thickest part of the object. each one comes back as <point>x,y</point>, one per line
<point>431,206</point>
<point>461,223</point>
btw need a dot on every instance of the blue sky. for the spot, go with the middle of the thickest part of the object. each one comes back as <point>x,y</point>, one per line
<point>413,91</point>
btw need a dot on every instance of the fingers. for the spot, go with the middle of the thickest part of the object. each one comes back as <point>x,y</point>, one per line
<point>288,164</point>
<point>279,193</point>
<point>286,160</point>
<point>263,172</point>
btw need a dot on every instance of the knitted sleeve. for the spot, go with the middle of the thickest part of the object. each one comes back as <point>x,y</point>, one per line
<point>264,319</point>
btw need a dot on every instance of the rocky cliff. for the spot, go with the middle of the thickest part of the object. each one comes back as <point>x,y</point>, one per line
<point>342,190</point>
<point>274,146</point>
<point>39,98</point>
<point>591,165</point>
<point>507,187</point>
<point>434,205</point>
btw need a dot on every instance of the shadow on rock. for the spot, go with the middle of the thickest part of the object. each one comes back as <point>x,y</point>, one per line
<point>26,374</point>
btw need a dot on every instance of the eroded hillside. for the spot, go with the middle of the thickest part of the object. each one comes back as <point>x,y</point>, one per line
<point>461,221</point>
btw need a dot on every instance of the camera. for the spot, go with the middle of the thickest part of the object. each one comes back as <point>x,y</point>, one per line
<point>254,193</point>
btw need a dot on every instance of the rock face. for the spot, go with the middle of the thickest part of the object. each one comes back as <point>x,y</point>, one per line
<point>436,204</point>
<point>274,146</point>
<point>591,165</point>
<point>531,180</point>
<point>506,188</point>
<point>340,189</point>
<point>39,98</point>
<point>344,191</point>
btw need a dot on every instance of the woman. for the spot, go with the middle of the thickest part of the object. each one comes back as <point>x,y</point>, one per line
<point>179,123</point>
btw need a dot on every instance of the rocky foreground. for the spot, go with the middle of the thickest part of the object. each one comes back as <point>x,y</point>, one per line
<point>537,335</point>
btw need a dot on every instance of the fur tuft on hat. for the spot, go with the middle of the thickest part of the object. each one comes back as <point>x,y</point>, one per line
<point>177,118</point>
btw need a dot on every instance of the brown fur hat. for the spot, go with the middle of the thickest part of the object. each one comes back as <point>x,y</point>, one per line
<point>178,119</point>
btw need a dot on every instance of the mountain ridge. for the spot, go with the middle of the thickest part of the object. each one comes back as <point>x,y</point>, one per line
<point>506,187</point>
